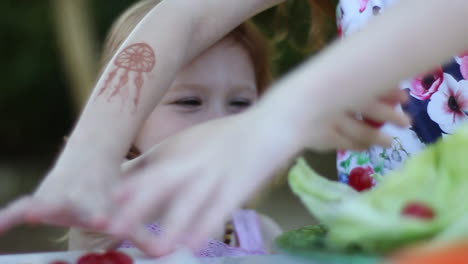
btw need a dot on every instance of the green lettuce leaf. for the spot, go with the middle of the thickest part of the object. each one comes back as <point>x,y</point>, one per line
<point>372,220</point>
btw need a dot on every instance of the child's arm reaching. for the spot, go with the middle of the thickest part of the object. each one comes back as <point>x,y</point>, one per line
<point>171,35</point>
<point>167,38</point>
<point>145,65</point>
<point>402,42</point>
<point>310,107</point>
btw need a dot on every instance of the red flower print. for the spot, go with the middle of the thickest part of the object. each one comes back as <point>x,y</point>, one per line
<point>462,59</point>
<point>363,5</point>
<point>342,153</point>
<point>449,105</point>
<point>423,86</point>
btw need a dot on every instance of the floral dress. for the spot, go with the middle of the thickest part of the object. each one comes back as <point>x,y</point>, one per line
<point>438,102</point>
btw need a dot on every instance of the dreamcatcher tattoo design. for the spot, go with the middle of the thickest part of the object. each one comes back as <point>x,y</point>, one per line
<point>134,60</point>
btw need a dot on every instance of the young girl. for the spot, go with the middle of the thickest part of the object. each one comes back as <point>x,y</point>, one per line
<point>438,104</point>
<point>311,111</point>
<point>225,79</point>
<point>310,107</point>
<point>137,77</point>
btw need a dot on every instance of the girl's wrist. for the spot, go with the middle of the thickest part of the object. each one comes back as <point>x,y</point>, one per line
<point>293,110</point>
<point>282,131</point>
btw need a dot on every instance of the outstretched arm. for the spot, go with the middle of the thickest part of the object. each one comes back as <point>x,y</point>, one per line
<point>171,35</point>
<point>309,108</point>
<point>400,43</point>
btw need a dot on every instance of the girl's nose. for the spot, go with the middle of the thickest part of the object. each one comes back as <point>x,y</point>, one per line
<point>217,111</point>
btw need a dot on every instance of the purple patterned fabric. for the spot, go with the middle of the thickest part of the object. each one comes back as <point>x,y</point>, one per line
<point>247,230</point>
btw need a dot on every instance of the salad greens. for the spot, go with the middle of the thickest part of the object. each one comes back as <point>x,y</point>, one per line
<point>373,221</point>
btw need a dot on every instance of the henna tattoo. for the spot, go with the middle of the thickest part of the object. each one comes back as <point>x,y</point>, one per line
<point>135,59</point>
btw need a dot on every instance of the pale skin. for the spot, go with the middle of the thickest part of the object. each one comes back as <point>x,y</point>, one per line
<point>402,32</point>
<point>218,83</point>
<point>207,88</point>
<point>91,160</point>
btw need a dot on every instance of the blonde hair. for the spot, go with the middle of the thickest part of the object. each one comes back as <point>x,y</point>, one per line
<point>246,34</point>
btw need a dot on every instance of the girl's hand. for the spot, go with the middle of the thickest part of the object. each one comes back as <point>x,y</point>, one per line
<point>77,197</point>
<point>195,179</point>
<point>68,201</point>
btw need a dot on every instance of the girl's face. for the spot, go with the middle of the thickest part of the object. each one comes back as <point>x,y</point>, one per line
<point>220,82</point>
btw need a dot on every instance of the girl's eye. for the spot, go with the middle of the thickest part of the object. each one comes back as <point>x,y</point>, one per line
<point>189,102</point>
<point>240,103</point>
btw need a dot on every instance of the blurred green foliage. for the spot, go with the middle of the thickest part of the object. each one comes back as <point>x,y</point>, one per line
<point>290,27</point>
<point>35,104</point>
<point>36,110</point>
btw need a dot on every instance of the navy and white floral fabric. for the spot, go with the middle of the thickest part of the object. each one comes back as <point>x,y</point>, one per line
<point>438,100</point>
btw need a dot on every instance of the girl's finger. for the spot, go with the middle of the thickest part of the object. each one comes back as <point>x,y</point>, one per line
<point>184,209</point>
<point>382,113</point>
<point>361,135</point>
<point>64,214</point>
<point>139,204</point>
<point>15,213</point>
<point>396,96</point>
<point>213,217</point>
<point>124,192</point>
<point>144,240</point>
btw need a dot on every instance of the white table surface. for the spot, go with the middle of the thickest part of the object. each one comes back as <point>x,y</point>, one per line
<point>181,257</point>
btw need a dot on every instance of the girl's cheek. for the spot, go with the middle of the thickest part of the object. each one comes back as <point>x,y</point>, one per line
<point>179,121</point>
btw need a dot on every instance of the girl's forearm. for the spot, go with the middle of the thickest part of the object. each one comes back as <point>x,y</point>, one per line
<point>412,37</point>
<point>170,36</point>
